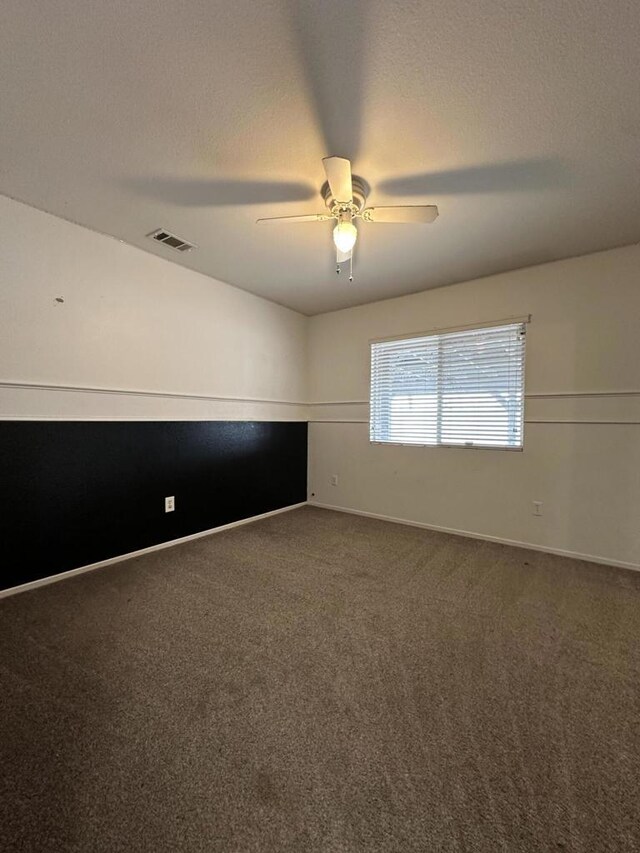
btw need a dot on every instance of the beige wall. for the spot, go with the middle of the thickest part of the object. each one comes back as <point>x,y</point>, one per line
<point>154,340</point>
<point>132,322</point>
<point>582,368</point>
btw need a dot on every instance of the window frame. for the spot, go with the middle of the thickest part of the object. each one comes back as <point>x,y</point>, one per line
<point>468,327</point>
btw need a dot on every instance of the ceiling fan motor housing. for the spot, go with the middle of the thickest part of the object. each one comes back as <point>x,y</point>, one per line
<point>360,190</point>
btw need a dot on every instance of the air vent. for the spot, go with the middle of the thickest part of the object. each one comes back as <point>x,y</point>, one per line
<point>177,243</point>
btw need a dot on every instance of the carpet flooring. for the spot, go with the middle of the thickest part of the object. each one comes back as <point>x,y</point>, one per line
<point>324,682</point>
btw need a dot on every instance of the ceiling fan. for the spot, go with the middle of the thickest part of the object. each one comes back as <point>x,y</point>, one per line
<point>345,196</point>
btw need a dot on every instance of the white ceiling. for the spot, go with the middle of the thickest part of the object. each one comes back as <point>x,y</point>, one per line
<point>519,118</point>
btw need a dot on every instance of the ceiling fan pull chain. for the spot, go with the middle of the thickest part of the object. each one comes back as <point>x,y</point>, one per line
<point>351,267</point>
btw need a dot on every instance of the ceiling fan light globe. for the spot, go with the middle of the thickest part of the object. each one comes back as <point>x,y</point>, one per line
<point>345,235</point>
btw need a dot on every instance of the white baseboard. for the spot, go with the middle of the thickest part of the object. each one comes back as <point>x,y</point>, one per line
<point>574,555</point>
<point>92,566</point>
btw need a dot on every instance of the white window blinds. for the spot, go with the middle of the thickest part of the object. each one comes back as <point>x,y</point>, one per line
<point>461,388</point>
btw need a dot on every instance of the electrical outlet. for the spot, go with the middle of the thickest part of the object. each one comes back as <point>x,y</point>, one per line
<point>537,507</point>
<point>334,479</point>
<point>169,504</point>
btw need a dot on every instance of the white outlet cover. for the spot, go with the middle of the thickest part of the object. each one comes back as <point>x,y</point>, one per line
<point>169,504</point>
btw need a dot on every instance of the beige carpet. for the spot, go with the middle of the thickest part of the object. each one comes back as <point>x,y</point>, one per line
<point>324,682</point>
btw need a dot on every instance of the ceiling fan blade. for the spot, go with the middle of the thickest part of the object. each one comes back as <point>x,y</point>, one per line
<point>310,217</point>
<point>423,213</point>
<point>338,171</point>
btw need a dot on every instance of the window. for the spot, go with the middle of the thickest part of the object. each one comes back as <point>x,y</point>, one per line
<point>462,388</point>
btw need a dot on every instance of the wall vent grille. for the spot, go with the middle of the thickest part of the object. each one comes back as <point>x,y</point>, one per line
<point>161,235</point>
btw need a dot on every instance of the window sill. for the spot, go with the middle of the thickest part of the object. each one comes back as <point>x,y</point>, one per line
<point>520,448</point>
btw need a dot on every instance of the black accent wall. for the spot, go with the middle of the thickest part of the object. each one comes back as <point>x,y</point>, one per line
<point>74,493</point>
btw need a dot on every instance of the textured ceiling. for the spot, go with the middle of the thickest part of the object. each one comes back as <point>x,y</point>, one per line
<point>521,120</point>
